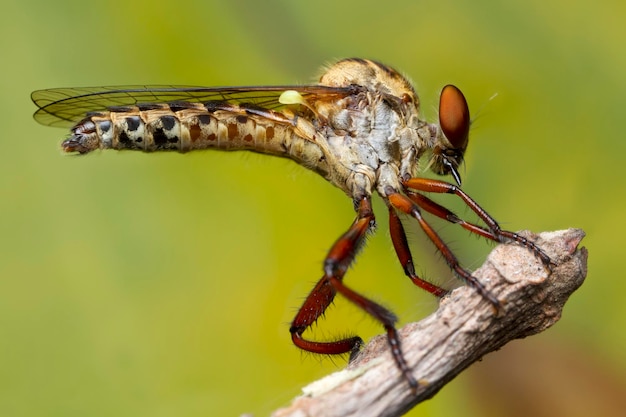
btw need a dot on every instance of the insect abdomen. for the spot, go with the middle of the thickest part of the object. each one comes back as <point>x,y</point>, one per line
<point>185,127</point>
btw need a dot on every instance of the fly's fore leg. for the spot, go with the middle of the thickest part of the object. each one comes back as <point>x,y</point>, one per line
<point>440,211</point>
<point>337,262</point>
<point>496,233</point>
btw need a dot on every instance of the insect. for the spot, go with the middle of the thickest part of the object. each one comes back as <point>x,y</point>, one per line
<point>359,128</point>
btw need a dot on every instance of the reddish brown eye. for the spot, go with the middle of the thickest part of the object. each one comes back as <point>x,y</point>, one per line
<point>454,116</point>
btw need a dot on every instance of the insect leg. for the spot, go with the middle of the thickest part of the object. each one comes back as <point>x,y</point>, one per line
<point>336,264</point>
<point>441,187</point>
<point>438,210</point>
<point>400,244</point>
<point>405,205</point>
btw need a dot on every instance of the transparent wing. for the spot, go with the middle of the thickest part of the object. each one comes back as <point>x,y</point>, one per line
<point>64,107</point>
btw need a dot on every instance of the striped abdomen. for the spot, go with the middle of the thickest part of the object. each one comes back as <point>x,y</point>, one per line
<point>189,126</point>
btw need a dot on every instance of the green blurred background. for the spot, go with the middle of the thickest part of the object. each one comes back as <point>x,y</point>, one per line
<point>163,285</point>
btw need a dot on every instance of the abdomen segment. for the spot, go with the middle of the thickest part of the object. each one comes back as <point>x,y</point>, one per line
<point>188,126</point>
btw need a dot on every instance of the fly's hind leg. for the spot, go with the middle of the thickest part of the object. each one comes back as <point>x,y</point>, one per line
<point>336,263</point>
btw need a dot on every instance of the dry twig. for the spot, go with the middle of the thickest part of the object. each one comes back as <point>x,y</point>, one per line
<point>460,332</point>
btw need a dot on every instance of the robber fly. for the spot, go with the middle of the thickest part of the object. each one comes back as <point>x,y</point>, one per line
<point>359,128</point>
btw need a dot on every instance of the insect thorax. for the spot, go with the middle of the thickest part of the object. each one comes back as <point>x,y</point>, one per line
<point>376,134</point>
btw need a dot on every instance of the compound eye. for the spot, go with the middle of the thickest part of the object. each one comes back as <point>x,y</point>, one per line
<point>454,116</point>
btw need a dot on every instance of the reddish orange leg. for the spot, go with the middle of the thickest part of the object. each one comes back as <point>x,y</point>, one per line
<point>495,232</point>
<point>337,262</point>
<point>400,244</point>
<point>433,208</point>
<point>405,205</point>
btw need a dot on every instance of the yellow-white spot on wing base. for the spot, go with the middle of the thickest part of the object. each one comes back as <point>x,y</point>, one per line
<point>291,97</point>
